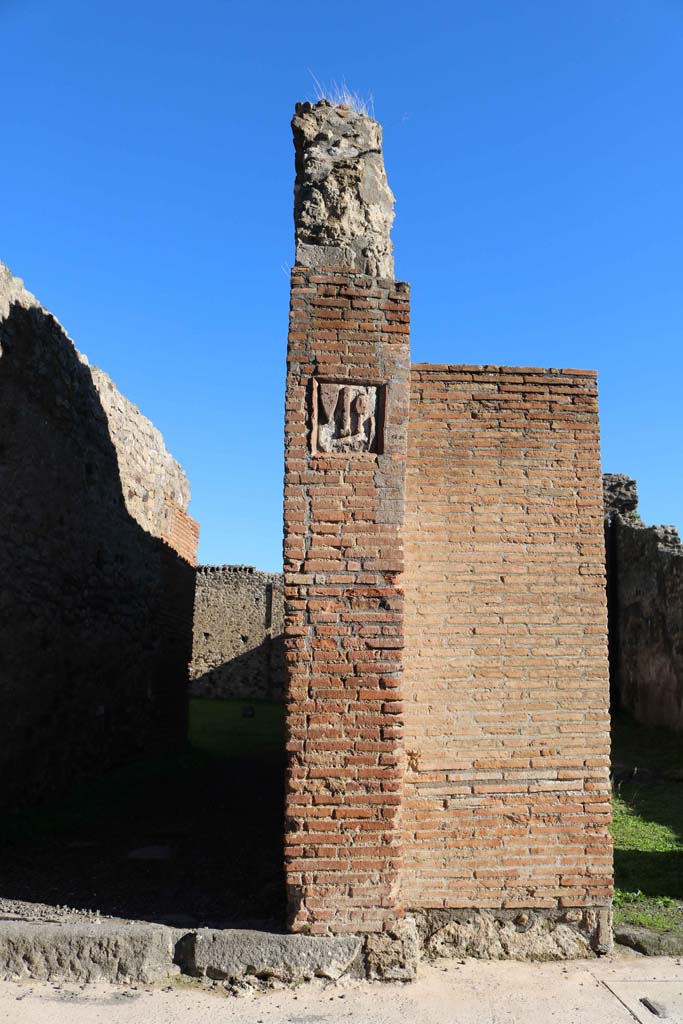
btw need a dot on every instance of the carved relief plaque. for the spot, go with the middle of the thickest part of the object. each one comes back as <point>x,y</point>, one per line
<point>347,417</point>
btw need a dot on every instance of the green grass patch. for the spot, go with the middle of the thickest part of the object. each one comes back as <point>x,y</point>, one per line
<point>661,913</point>
<point>648,830</point>
<point>238,728</point>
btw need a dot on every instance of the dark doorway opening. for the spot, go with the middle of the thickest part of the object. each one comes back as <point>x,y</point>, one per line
<point>192,838</point>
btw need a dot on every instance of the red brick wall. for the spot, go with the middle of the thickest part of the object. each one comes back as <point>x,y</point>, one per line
<point>506,683</point>
<point>344,609</point>
<point>183,534</point>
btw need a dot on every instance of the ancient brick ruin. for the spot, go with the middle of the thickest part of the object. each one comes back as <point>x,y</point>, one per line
<point>97,557</point>
<point>443,600</point>
<point>645,598</point>
<point>446,633</point>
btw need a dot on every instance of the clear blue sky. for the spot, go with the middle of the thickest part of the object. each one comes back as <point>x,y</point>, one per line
<point>535,150</point>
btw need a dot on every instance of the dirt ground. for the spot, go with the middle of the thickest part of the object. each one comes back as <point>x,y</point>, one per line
<point>607,991</point>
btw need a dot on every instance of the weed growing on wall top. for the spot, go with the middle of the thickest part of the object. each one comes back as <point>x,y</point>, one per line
<point>339,94</point>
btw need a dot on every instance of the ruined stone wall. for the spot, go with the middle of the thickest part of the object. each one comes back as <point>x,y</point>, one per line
<point>506,796</point>
<point>95,612</point>
<point>238,634</point>
<point>645,590</point>
<point>343,206</point>
<point>150,476</point>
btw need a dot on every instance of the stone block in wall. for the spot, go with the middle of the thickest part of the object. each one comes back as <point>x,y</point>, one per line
<point>238,647</point>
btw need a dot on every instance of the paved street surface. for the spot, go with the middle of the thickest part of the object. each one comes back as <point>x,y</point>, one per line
<point>608,991</point>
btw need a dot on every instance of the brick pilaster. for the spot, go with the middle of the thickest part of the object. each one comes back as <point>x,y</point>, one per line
<point>344,605</point>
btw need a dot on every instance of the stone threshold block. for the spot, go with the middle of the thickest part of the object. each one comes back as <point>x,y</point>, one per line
<point>137,952</point>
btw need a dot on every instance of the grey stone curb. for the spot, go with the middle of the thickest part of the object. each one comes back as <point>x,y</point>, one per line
<point>648,942</point>
<point>114,951</point>
<point>237,954</point>
<point>129,952</point>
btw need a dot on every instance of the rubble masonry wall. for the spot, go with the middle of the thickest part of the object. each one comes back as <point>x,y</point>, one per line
<point>95,611</point>
<point>645,595</point>
<point>238,634</point>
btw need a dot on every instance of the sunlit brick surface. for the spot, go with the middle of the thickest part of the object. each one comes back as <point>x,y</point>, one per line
<point>344,609</point>
<point>506,725</point>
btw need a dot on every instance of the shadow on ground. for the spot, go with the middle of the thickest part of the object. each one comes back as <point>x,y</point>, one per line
<point>648,826</point>
<point>193,838</point>
<point>653,873</point>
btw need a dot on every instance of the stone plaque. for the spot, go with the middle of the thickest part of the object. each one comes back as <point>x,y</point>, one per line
<point>347,417</point>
